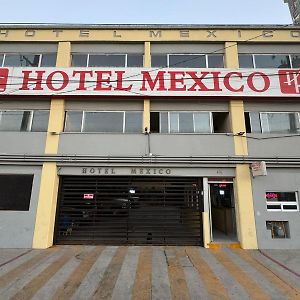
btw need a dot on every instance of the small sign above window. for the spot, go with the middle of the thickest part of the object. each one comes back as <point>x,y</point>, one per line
<point>282,201</point>
<point>259,168</point>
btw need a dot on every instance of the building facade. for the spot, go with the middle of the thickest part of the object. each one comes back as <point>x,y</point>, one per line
<point>294,6</point>
<point>144,134</point>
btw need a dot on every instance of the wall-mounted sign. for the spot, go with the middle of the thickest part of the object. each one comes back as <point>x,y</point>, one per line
<point>259,168</point>
<point>88,196</point>
<point>150,82</point>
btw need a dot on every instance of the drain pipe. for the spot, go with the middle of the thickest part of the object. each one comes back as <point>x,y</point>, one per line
<point>13,259</point>
<point>279,263</point>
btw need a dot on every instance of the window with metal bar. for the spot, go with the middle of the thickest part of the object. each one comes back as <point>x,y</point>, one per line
<point>19,120</point>
<point>28,60</point>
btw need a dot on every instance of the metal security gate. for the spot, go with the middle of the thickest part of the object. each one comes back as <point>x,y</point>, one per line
<point>129,210</point>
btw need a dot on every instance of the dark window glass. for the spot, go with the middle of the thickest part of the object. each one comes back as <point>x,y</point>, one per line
<point>291,207</point>
<point>272,206</point>
<point>215,61</point>
<point>272,61</point>
<point>246,61</point>
<point>186,123</point>
<point>281,196</point>
<point>134,60</point>
<point>296,60</point>
<point>202,122</point>
<point>22,60</point>
<point>255,122</point>
<point>154,122</point>
<point>133,122</point>
<point>40,120</point>
<point>14,120</point>
<point>164,126</point>
<point>103,122</point>
<point>15,192</point>
<point>280,122</point>
<point>48,60</point>
<point>1,59</point>
<point>73,121</point>
<point>107,60</point>
<point>79,60</point>
<point>187,61</point>
<point>159,60</point>
<point>174,122</point>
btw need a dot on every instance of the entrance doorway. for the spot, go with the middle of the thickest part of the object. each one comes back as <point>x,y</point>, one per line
<point>129,210</point>
<point>222,212</point>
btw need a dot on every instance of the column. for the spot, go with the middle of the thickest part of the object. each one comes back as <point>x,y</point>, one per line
<point>243,186</point>
<point>46,210</point>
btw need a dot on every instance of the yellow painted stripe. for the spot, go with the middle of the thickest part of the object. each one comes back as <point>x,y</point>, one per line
<point>253,290</point>
<point>142,284</point>
<point>106,286</point>
<point>214,286</point>
<point>28,291</point>
<point>72,283</point>
<point>219,246</point>
<point>14,273</point>
<point>179,288</point>
<point>269,275</point>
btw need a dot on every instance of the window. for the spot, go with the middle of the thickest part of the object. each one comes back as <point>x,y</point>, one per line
<point>14,120</point>
<point>269,61</point>
<point>282,201</point>
<point>181,122</point>
<point>275,122</point>
<point>187,60</point>
<point>279,229</point>
<point>15,192</point>
<point>106,122</point>
<point>279,122</point>
<point>107,60</point>
<point>28,60</point>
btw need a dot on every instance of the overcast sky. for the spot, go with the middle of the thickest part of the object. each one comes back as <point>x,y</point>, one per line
<point>146,12</point>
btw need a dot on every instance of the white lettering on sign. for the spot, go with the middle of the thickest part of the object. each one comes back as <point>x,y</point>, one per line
<point>150,82</point>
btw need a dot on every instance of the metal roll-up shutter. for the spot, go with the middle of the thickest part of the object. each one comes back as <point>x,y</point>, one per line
<point>129,210</point>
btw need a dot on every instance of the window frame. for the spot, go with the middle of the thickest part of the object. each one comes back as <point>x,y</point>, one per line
<point>276,112</point>
<point>30,122</point>
<point>124,54</point>
<point>29,53</point>
<point>191,54</point>
<point>184,111</point>
<point>27,206</point>
<point>254,61</point>
<point>282,203</point>
<point>102,111</point>
<point>262,130</point>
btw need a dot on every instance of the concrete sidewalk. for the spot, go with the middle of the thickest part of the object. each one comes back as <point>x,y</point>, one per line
<point>148,272</point>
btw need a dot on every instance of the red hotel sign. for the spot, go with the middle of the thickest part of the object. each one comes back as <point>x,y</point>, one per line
<point>150,82</point>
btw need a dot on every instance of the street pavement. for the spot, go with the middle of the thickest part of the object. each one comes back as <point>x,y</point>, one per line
<point>148,272</point>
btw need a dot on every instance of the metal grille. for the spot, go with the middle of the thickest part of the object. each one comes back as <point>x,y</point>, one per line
<point>129,210</point>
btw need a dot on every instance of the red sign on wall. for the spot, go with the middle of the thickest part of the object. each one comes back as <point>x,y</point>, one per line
<point>88,196</point>
<point>289,81</point>
<point>150,82</point>
<point>3,79</point>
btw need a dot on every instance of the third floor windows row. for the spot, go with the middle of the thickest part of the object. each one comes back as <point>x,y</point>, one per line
<point>192,60</point>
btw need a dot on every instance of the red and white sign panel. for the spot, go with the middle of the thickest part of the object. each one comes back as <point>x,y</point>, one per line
<point>88,196</point>
<point>150,82</point>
